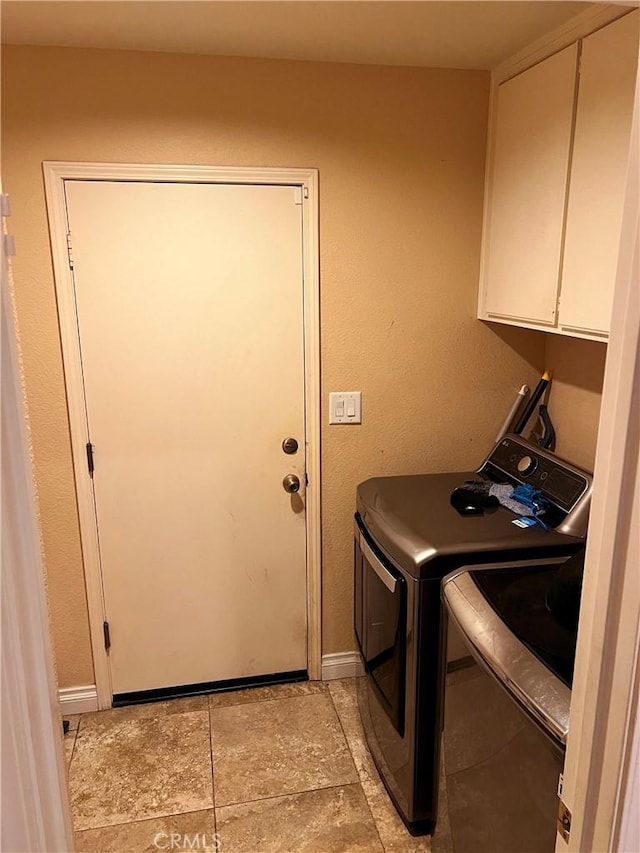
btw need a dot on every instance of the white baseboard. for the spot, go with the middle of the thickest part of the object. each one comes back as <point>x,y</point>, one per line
<point>341,665</point>
<point>78,700</point>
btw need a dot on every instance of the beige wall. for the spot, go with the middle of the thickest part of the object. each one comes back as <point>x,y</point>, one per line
<point>401,158</point>
<point>574,403</point>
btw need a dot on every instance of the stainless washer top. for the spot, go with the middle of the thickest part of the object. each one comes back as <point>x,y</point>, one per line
<point>411,519</point>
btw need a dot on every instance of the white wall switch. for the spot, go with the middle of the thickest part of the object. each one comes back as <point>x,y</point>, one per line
<point>345,407</point>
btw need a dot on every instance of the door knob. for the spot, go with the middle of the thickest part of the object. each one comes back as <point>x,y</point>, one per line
<point>291,484</point>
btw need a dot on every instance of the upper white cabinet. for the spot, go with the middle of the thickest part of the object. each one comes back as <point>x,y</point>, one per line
<point>556,177</point>
<point>525,213</point>
<point>598,175</point>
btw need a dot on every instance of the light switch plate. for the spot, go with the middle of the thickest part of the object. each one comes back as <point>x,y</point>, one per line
<point>345,407</point>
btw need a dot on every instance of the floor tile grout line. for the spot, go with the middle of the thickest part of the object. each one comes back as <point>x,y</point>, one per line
<point>138,719</point>
<point>346,739</point>
<point>288,794</point>
<point>213,775</point>
<point>142,820</point>
<point>360,780</point>
<point>73,749</point>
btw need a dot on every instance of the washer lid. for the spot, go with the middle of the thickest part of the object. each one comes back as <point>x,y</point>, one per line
<point>411,519</point>
<point>522,674</point>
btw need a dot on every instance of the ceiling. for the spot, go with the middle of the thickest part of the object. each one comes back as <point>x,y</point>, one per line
<point>454,34</point>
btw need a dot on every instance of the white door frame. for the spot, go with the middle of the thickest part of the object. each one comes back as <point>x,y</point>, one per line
<point>55,174</point>
<point>35,806</point>
<point>601,766</point>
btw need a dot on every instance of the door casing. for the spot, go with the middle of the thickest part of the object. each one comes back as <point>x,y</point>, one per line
<point>55,174</point>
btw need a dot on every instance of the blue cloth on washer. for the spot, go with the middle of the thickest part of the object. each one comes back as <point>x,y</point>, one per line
<point>524,500</point>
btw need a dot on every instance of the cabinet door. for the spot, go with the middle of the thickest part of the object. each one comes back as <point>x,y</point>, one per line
<point>528,189</point>
<point>598,175</point>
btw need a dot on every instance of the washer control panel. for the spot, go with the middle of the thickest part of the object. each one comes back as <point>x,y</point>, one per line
<point>520,461</point>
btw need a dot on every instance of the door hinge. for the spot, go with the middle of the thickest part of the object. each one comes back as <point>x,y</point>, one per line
<point>564,821</point>
<point>90,464</point>
<point>9,245</point>
<point>107,635</point>
<point>300,193</point>
<point>69,250</point>
<point>9,240</point>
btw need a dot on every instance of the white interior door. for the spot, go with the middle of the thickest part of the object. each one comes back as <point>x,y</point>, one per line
<point>190,315</point>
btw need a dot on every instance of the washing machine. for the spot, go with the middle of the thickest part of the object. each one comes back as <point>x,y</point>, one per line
<point>408,537</point>
<point>507,698</point>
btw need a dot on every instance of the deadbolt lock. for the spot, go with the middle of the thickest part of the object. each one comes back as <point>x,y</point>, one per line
<point>290,445</point>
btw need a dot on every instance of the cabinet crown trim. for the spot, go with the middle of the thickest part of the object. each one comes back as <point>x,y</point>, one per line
<point>571,31</point>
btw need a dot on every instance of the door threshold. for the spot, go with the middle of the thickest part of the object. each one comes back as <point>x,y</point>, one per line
<point>182,691</point>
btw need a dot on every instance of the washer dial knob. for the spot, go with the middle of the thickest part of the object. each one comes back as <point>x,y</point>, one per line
<point>527,465</point>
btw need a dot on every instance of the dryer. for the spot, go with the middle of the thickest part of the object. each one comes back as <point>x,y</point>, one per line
<point>408,536</point>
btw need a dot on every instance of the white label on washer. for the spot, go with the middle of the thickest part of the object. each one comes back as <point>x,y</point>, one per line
<point>525,521</point>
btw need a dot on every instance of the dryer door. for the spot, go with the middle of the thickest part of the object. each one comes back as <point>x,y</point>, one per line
<point>380,622</point>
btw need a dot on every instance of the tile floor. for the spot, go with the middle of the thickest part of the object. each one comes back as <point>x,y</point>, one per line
<point>271,769</point>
